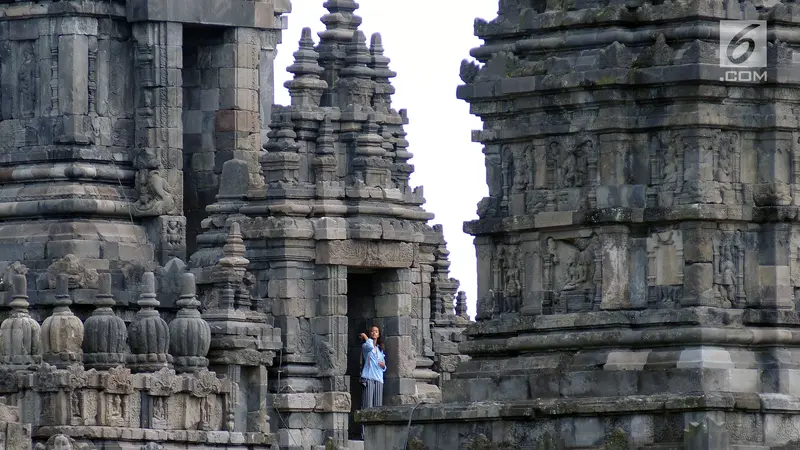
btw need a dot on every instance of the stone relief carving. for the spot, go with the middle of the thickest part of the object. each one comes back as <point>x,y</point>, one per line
<point>80,276</point>
<point>119,380</point>
<point>468,71</point>
<point>667,151</point>
<point>152,446</point>
<point>365,253</point>
<point>61,442</point>
<point>154,193</point>
<point>729,270</point>
<point>664,268</point>
<point>570,268</point>
<point>572,161</point>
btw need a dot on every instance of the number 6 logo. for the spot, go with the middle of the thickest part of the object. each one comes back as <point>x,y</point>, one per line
<point>743,43</point>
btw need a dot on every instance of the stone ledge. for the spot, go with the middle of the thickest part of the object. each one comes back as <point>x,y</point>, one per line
<point>235,13</point>
<point>608,216</point>
<point>697,315</point>
<point>541,409</point>
<point>621,78</point>
<point>29,10</point>
<point>138,434</point>
<point>626,338</point>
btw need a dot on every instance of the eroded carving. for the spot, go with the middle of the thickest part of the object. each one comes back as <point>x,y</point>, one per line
<point>729,270</point>
<point>80,275</point>
<point>366,253</point>
<point>570,269</point>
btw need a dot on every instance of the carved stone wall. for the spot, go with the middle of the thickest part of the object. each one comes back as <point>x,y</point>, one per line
<point>637,239</point>
<point>336,205</point>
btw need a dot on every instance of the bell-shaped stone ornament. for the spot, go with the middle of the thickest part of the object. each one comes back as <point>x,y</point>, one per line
<point>105,334</point>
<point>190,335</point>
<point>148,334</point>
<point>20,334</point>
<point>62,332</point>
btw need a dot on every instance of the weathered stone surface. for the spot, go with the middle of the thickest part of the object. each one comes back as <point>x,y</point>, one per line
<point>638,221</point>
<point>138,135</point>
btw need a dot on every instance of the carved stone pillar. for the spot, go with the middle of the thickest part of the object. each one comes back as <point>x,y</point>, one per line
<point>159,132</point>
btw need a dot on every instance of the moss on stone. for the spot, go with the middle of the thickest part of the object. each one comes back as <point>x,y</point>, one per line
<point>416,444</point>
<point>616,440</point>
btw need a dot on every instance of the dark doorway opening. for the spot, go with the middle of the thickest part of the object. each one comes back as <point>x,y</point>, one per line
<point>361,314</point>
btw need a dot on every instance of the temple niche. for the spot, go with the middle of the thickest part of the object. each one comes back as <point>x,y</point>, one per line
<point>665,268</point>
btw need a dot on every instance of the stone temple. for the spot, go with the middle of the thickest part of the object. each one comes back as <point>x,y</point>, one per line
<point>639,251</point>
<point>186,265</point>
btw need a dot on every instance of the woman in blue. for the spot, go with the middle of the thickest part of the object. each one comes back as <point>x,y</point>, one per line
<point>372,372</point>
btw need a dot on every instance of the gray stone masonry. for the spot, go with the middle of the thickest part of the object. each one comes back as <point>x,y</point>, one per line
<point>103,342</point>
<point>639,251</point>
<point>92,125</point>
<point>336,238</point>
<point>184,264</point>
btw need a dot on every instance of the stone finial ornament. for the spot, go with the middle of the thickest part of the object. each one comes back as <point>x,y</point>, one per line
<point>231,268</point>
<point>20,334</point>
<point>105,334</point>
<point>358,58</point>
<point>307,87</point>
<point>148,333</point>
<point>190,335</point>
<point>62,332</point>
<point>461,305</point>
<point>382,99</point>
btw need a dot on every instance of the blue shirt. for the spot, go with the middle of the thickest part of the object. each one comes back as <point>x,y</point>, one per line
<point>372,355</point>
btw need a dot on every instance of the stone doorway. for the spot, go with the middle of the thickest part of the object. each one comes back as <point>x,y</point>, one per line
<point>362,288</point>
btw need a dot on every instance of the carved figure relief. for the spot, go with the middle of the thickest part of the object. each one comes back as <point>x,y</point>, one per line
<point>728,270</point>
<point>26,76</point>
<point>159,417</point>
<point>154,194</point>
<point>115,410</point>
<point>509,288</point>
<point>570,268</point>
<point>59,442</point>
<point>574,162</point>
<point>174,232</point>
<point>80,276</point>
<point>726,153</point>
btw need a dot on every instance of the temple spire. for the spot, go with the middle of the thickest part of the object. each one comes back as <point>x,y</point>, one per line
<point>382,99</point>
<point>306,89</point>
<point>355,86</point>
<point>341,23</point>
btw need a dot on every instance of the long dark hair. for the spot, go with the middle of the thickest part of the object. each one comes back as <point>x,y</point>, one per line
<point>379,341</point>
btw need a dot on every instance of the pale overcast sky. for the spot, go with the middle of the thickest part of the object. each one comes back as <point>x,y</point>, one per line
<point>426,41</point>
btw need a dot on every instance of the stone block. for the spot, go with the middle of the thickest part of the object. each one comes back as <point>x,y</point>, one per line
<point>81,249</point>
<point>332,305</point>
<point>238,77</point>
<point>238,98</point>
<point>698,288</point>
<point>236,120</point>
<point>393,305</point>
